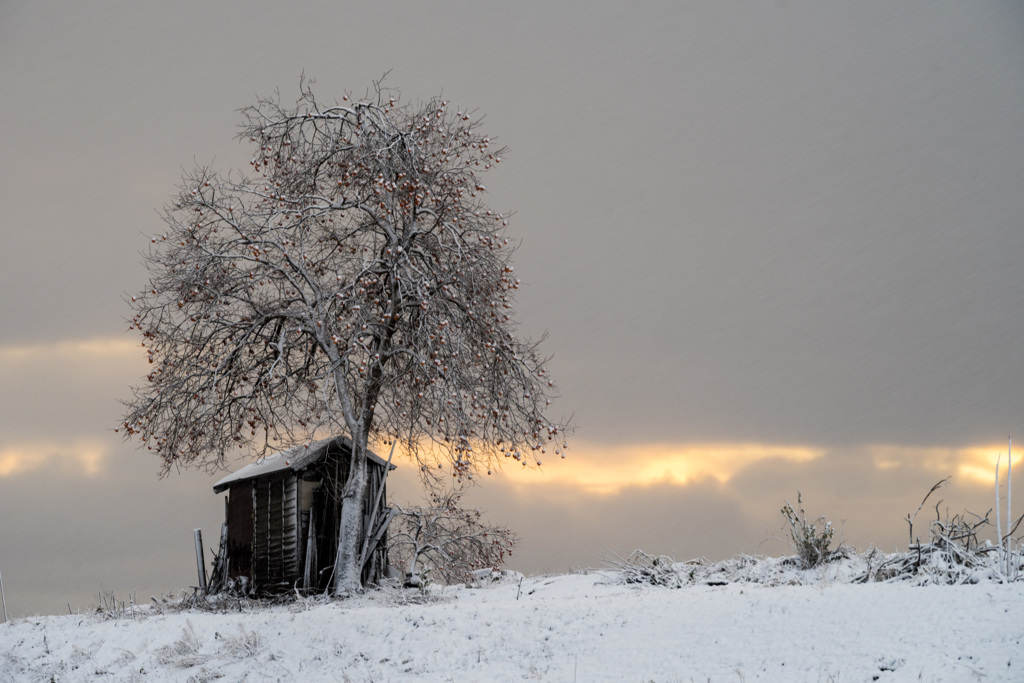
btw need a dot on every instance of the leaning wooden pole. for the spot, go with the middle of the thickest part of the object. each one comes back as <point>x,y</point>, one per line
<point>311,559</point>
<point>3,599</point>
<point>372,521</point>
<point>199,559</point>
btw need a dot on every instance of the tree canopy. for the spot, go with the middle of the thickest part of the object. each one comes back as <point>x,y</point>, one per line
<point>353,281</point>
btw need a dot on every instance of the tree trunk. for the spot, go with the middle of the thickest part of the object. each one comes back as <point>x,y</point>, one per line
<point>415,559</point>
<point>347,569</point>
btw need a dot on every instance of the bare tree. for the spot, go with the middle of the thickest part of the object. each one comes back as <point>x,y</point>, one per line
<point>445,538</point>
<point>355,282</point>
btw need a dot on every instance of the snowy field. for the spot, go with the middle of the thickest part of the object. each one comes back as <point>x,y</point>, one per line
<point>578,627</point>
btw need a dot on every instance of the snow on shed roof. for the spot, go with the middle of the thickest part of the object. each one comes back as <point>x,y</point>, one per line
<point>294,458</point>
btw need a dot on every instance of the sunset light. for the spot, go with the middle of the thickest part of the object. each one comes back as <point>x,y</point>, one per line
<point>84,456</point>
<point>608,469</point>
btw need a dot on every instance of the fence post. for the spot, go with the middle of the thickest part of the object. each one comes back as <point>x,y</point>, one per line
<point>199,559</point>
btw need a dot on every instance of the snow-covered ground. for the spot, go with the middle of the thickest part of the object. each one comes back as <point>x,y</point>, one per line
<point>578,627</point>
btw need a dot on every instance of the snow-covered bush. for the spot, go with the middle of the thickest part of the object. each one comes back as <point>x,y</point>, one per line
<point>843,567</point>
<point>639,567</point>
<point>954,552</point>
<point>444,540</point>
<point>812,541</point>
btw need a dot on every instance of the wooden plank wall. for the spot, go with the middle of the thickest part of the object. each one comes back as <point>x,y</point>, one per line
<point>276,542</point>
<point>261,531</point>
<point>290,568</point>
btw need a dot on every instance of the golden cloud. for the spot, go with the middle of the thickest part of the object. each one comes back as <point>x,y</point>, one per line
<point>975,463</point>
<point>605,469</point>
<point>84,455</point>
<point>99,348</point>
<point>608,469</point>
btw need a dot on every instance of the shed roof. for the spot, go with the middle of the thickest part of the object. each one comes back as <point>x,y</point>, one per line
<point>295,459</point>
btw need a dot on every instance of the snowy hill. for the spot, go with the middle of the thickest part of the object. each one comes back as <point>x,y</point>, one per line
<point>579,627</point>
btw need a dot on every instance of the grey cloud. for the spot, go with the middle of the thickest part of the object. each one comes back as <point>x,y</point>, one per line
<point>783,224</point>
<point>65,536</point>
<point>58,398</point>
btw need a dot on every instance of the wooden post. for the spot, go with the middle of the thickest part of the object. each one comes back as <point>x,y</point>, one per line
<point>3,599</point>
<point>224,545</point>
<point>220,575</point>
<point>199,559</point>
<point>311,558</point>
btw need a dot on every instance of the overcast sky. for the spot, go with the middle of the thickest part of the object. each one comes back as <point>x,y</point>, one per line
<point>775,246</point>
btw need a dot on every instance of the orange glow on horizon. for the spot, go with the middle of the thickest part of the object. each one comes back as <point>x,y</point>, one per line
<point>597,468</point>
<point>100,347</point>
<point>86,456</point>
<point>608,469</point>
<point>602,469</point>
<point>974,463</point>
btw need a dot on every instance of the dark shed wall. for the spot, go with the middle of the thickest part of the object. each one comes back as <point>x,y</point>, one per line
<point>240,526</point>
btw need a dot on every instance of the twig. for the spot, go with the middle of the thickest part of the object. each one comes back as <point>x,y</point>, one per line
<point>910,519</point>
<point>1015,525</point>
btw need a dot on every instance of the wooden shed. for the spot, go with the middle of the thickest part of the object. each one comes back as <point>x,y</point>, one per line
<point>282,517</point>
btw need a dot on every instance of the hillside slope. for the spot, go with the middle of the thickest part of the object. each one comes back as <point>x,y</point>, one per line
<point>579,627</point>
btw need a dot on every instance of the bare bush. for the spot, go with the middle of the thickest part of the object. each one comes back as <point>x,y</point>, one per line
<point>812,540</point>
<point>443,539</point>
<point>642,568</point>
<point>953,553</point>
